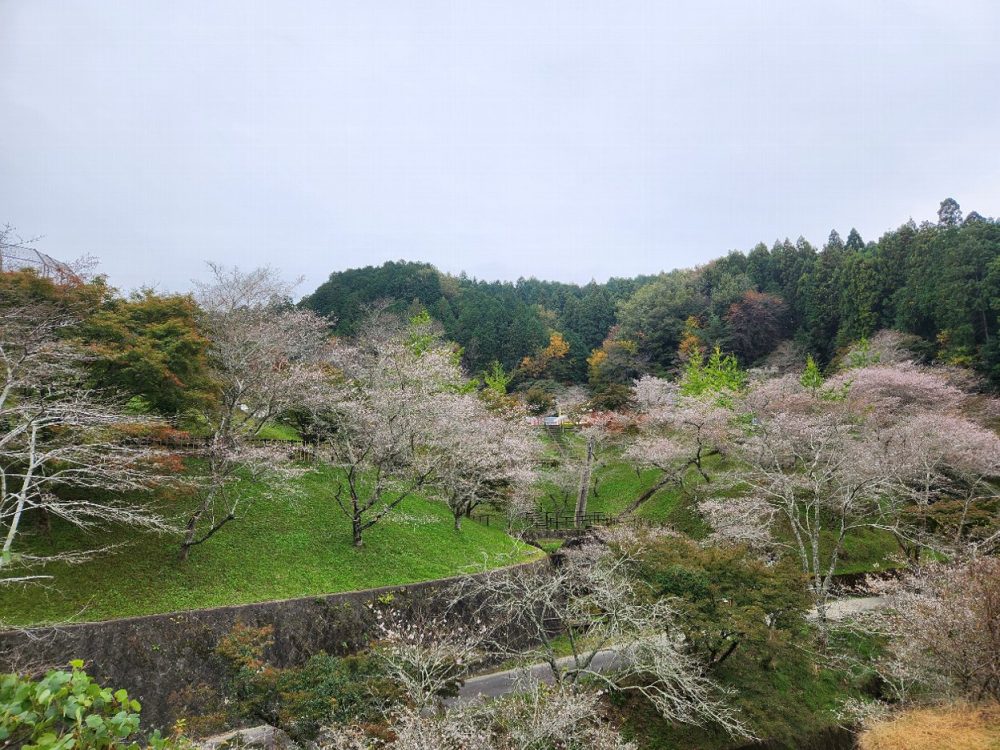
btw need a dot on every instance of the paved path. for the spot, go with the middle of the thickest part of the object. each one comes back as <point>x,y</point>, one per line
<point>841,609</point>
<point>500,683</point>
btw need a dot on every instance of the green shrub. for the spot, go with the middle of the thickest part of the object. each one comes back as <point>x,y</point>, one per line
<point>725,598</point>
<point>67,710</point>
<point>539,402</point>
<point>300,700</point>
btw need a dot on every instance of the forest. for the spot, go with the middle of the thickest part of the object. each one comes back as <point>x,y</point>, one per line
<point>938,281</point>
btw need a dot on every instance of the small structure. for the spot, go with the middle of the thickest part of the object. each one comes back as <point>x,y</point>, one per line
<point>17,257</point>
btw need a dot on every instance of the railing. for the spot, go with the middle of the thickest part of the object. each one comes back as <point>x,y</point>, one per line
<point>546,519</point>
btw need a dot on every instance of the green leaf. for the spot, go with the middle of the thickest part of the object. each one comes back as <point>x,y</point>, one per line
<point>94,721</point>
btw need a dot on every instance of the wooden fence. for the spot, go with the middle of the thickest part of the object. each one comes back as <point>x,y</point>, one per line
<point>547,520</point>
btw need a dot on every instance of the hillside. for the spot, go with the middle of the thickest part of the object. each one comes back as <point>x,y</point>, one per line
<point>285,545</point>
<point>491,320</point>
<point>938,281</point>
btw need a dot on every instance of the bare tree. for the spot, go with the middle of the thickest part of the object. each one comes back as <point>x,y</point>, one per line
<point>264,356</point>
<point>427,655</point>
<point>64,448</point>
<point>617,639</point>
<point>536,717</point>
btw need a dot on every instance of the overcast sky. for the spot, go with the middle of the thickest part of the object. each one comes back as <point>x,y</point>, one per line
<point>566,140</point>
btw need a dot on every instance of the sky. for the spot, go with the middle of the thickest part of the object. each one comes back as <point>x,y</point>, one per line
<point>569,140</point>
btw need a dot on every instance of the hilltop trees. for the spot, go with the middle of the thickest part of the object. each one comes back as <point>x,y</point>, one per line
<point>940,281</point>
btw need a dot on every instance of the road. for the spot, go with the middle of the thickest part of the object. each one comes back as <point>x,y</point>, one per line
<point>500,683</point>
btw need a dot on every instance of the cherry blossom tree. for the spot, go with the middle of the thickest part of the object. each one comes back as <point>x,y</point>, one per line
<point>481,454</point>
<point>943,495</point>
<point>878,447</point>
<point>427,655</point>
<point>889,392</point>
<point>388,418</point>
<point>677,432</point>
<point>942,625</point>
<point>264,357</point>
<point>811,460</point>
<point>65,449</point>
<point>536,716</point>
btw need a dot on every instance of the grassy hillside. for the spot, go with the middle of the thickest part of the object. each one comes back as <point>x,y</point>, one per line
<point>619,484</point>
<point>298,544</point>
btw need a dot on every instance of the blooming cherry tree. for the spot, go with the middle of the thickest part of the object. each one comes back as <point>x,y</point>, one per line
<point>388,418</point>
<point>677,432</point>
<point>481,455</point>
<point>264,358</point>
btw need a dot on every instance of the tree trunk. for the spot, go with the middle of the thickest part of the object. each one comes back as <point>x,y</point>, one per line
<point>189,533</point>
<point>458,521</point>
<point>356,529</point>
<point>657,486</point>
<point>581,498</point>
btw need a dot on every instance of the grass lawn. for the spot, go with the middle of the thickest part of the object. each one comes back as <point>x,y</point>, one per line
<point>280,548</point>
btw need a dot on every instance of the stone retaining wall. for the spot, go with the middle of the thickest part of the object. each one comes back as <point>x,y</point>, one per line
<point>159,657</point>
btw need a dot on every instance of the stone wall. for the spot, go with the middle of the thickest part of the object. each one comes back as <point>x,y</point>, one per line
<point>159,657</point>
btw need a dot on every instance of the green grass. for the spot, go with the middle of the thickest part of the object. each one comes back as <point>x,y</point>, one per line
<point>281,547</point>
<point>619,484</point>
<point>549,545</point>
<point>278,431</point>
<point>786,698</point>
<point>868,550</point>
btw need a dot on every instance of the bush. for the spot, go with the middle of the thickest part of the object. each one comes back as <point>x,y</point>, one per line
<point>725,598</point>
<point>539,401</point>
<point>300,700</point>
<point>613,397</point>
<point>68,710</point>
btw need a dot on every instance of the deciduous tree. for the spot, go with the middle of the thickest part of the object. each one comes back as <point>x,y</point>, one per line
<point>591,600</point>
<point>64,448</point>
<point>387,418</point>
<point>263,359</point>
